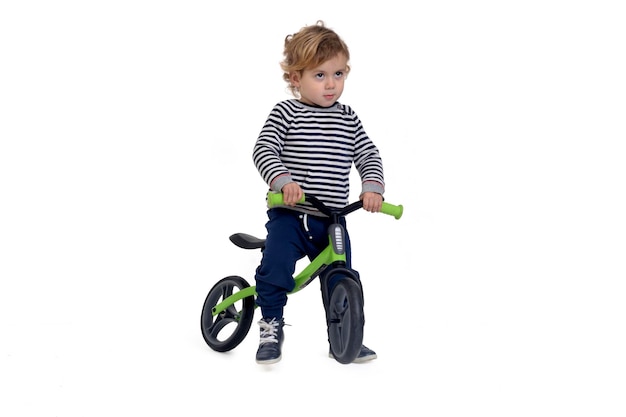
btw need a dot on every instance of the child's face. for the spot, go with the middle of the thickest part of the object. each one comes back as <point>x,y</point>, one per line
<point>322,85</point>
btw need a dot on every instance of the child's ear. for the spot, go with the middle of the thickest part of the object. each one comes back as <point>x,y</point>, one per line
<point>294,78</point>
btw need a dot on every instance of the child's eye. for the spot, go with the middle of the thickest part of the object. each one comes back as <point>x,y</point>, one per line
<point>339,74</point>
<point>319,75</point>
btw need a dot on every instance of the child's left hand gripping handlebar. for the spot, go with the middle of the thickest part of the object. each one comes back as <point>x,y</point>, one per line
<point>276,199</point>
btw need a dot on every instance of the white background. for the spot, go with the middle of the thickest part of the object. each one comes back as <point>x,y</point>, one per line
<point>126,132</point>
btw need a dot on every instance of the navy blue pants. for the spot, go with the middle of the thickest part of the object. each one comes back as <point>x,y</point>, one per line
<point>290,237</point>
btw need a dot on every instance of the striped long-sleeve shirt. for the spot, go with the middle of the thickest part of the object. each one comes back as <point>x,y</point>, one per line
<point>316,147</point>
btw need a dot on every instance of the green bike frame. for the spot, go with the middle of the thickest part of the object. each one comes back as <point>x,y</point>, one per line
<point>334,253</point>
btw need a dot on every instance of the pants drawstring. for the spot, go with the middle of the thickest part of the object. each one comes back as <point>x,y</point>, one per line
<point>305,224</point>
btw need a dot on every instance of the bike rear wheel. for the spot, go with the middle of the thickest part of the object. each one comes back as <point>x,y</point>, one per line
<point>226,330</point>
<point>345,320</point>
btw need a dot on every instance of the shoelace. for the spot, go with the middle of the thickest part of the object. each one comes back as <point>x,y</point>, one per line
<point>269,331</point>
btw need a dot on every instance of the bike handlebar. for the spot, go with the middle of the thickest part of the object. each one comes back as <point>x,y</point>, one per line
<point>276,199</point>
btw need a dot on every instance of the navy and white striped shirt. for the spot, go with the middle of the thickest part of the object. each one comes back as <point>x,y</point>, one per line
<point>316,147</point>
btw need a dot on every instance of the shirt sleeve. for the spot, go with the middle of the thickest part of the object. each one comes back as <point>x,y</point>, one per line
<point>267,150</point>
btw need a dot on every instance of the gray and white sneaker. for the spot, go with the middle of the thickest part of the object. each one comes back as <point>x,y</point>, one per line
<point>271,341</point>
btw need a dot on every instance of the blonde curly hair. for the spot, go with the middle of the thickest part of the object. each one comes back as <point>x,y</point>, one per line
<point>308,48</point>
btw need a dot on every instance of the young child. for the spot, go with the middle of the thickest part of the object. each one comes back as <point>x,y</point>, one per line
<point>308,145</point>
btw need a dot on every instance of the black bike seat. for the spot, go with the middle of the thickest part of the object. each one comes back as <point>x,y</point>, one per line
<point>246,241</point>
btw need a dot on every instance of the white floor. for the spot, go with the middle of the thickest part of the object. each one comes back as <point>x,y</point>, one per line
<point>125,164</point>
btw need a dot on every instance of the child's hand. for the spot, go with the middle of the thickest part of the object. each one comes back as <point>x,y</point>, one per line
<point>292,193</point>
<point>372,202</point>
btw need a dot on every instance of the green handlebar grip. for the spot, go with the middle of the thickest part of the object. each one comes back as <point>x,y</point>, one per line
<point>390,209</point>
<point>276,199</point>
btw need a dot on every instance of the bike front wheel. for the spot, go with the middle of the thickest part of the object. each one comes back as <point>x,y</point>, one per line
<point>346,320</point>
<point>226,330</point>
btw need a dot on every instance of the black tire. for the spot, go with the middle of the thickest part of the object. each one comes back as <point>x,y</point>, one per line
<point>226,330</point>
<point>346,320</point>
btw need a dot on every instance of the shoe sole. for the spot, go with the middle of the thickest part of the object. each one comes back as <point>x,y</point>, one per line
<point>365,359</point>
<point>269,361</point>
<point>357,360</point>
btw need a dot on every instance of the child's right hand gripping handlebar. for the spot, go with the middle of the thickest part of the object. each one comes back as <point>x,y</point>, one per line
<point>276,199</point>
